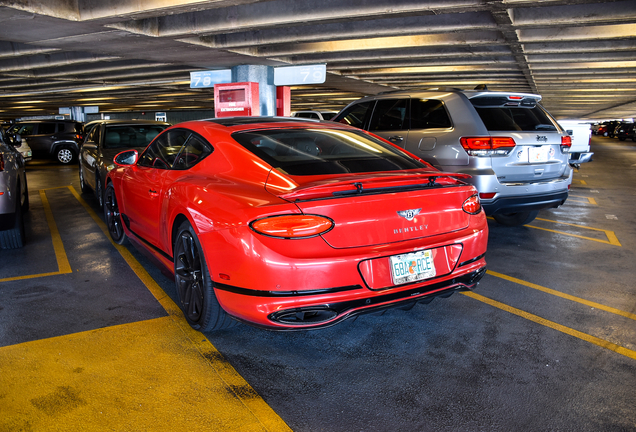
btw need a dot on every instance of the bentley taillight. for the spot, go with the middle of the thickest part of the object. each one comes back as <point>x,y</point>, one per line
<point>472,205</point>
<point>292,226</point>
<point>487,146</point>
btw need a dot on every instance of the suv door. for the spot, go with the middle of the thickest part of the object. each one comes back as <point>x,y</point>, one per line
<point>42,138</point>
<point>390,120</point>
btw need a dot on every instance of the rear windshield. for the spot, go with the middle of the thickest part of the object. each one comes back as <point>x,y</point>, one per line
<point>324,151</point>
<point>517,119</point>
<point>130,135</point>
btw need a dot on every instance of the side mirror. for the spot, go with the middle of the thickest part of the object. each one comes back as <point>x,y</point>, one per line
<point>126,158</point>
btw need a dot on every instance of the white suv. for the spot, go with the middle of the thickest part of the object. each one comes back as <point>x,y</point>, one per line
<point>515,151</point>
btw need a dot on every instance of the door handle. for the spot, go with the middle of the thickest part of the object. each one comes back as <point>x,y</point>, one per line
<point>153,193</point>
<point>396,138</point>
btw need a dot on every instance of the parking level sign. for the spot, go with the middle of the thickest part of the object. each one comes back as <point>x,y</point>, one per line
<point>297,75</point>
<point>203,79</point>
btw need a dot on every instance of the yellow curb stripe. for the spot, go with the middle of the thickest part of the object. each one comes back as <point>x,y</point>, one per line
<point>252,401</point>
<point>551,324</point>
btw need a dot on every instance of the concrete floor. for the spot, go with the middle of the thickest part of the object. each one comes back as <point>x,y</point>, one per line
<point>90,340</point>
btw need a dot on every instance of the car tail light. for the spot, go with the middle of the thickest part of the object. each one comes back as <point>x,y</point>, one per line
<point>472,205</point>
<point>1,163</point>
<point>488,146</point>
<point>292,226</point>
<point>566,143</point>
<point>488,195</point>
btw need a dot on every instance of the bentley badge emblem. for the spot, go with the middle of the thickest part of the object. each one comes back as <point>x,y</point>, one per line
<point>409,214</point>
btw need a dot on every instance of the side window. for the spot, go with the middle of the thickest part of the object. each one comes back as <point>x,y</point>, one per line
<point>428,114</point>
<point>194,150</point>
<point>26,129</point>
<point>164,149</point>
<point>389,115</point>
<point>46,128</point>
<point>356,115</point>
<point>93,137</point>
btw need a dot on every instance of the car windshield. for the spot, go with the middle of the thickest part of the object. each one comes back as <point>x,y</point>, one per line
<point>128,136</point>
<point>516,119</point>
<point>315,151</point>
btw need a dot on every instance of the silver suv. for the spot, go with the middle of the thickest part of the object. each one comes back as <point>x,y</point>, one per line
<point>515,151</point>
<point>14,196</point>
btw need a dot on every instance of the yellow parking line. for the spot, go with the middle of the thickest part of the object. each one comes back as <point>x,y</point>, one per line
<point>582,182</point>
<point>563,295</point>
<point>551,324</point>
<point>234,382</point>
<point>64,267</point>
<point>611,236</point>
<point>588,200</point>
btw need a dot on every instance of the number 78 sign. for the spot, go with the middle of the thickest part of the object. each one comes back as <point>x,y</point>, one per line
<point>297,75</point>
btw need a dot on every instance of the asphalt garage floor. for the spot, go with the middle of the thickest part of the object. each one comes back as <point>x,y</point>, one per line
<point>91,339</point>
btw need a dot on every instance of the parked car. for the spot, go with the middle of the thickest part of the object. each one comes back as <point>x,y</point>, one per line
<point>516,153</point>
<point>625,130</point>
<point>58,139</point>
<point>294,224</point>
<point>14,196</point>
<point>581,135</point>
<point>318,115</point>
<point>107,138</point>
<point>611,128</point>
<point>601,130</point>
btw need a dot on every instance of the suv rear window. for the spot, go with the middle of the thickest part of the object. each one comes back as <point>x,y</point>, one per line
<point>516,119</point>
<point>324,151</point>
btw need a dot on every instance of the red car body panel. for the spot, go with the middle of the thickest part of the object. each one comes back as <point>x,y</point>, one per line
<point>347,269</point>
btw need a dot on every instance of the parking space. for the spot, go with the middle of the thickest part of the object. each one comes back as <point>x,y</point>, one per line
<point>91,339</point>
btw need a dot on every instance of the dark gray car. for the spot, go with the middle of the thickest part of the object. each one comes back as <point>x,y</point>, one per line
<point>516,153</point>
<point>14,196</point>
<point>57,139</point>
<point>105,139</point>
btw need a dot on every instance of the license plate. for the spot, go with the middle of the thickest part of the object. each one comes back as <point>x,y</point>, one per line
<point>412,267</point>
<point>538,154</point>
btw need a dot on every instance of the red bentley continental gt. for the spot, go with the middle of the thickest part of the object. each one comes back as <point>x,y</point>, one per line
<point>294,224</point>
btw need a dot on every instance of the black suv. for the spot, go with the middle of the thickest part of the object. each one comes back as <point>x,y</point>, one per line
<point>59,139</point>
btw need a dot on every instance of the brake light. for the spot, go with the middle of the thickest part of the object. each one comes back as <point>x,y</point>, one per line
<point>566,143</point>
<point>487,146</point>
<point>515,97</point>
<point>488,195</point>
<point>292,226</point>
<point>472,205</point>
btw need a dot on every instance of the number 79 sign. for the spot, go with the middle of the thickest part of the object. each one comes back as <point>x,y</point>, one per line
<point>297,75</point>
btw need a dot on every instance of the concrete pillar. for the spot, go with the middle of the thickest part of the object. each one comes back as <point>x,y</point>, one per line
<point>77,113</point>
<point>264,76</point>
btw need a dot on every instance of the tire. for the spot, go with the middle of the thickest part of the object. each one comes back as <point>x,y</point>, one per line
<point>195,289</point>
<point>65,154</point>
<point>14,238</point>
<point>99,193</point>
<point>112,217</point>
<point>516,219</point>
<point>83,186</point>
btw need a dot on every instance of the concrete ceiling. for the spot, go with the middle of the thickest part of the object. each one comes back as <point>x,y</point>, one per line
<point>124,55</point>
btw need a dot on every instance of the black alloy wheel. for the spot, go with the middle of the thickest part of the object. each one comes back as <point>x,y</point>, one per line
<point>113,217</point>
<point>194,286</point>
